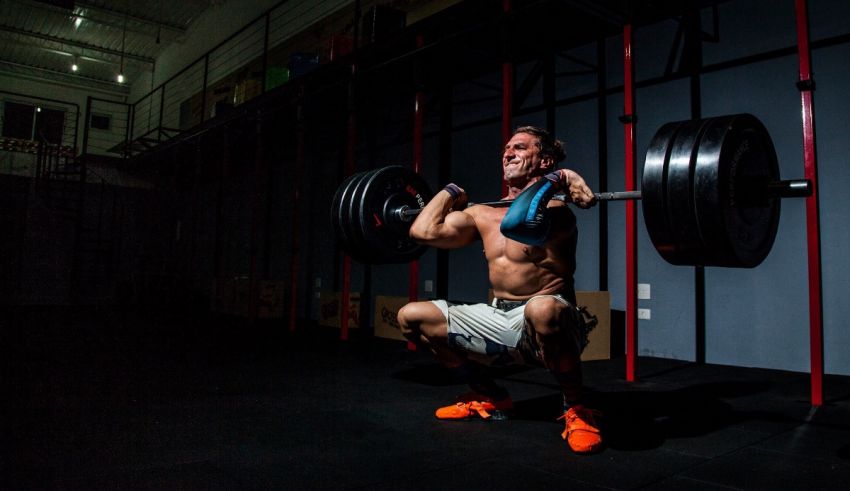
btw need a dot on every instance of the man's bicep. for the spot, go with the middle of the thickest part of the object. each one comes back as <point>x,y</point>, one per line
<point>458,230</point>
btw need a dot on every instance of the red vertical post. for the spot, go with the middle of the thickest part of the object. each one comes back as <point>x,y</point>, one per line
<point>806,85</point>
<point>296,249</point>
<point>350,157</point>
<point>256,225</point>
<point>631,208</point>
<point>418,124</point>
<point>507,92</point>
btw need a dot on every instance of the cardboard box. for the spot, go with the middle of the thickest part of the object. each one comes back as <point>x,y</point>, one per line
<point>241,300</point>
<point>270,301</point>
<point>329,304</point>
<point>246,90</point>
<point>386,316</point>
<point>276,76</point>
<point>302,63</point>
<point>598,303</point>
<point>341,45</point>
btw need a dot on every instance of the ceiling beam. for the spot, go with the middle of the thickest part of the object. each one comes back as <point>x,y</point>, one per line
<point>136,18</point>
<point>44,74</point>
<point>110,60</point>
<point>77,44</point>
<point>152,31</point>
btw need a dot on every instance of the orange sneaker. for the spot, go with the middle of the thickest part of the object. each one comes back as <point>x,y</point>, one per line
<point>472,404</point>
<point>582,432</point>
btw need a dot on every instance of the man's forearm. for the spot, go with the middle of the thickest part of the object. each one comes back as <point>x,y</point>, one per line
<point>427,226</point>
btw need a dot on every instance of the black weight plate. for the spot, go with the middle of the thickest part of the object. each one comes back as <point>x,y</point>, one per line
<point>681,215</point>
<point>387,236</point>
<point>653,189</point>
<point>362,252</point>
<point>353,246</point>
<point>340,206</point>
<point>708,182</point>
<point>737,160</point>
<point>359,250</point>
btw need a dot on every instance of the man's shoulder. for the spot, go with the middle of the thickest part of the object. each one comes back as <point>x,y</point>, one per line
<point>486,211</point>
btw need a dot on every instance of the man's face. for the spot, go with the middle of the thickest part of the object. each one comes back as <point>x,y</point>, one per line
<point>521,160</point>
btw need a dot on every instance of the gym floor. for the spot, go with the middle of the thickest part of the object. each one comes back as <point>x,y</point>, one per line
<point>109,401</point>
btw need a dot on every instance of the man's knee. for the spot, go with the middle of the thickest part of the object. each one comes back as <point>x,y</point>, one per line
<point>407,322</point>
<point>421,318</point>
<point>544,315</point>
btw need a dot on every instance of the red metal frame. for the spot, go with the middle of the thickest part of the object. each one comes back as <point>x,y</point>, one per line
<point>507,96</point>
<point>259,174</point>
<point>812,213</point>
<point>351,155</point>
<point>631,207</point>
<point>295,258</point>
<point>507,99</point>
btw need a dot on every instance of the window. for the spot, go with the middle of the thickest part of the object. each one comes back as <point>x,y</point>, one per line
<point>100,121</point>
<point>49,125</point>
<point>17,120</point>
<point>29,122</point>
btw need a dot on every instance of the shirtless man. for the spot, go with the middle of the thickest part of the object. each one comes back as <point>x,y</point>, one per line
<point>533,317</point>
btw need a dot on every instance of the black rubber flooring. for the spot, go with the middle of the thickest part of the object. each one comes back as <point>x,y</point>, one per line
<point>113,402</point>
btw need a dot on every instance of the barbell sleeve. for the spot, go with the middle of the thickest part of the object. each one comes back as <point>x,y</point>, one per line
<point>793,188</point>
<point>617,195</point>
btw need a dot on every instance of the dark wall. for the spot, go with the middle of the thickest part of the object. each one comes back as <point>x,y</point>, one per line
<point>755,317</point>
<point>220,202</point>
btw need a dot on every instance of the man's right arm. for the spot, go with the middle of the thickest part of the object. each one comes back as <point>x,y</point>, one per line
<point>438,226</point>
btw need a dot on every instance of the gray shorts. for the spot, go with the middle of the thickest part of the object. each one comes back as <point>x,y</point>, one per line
<point>496,337</point>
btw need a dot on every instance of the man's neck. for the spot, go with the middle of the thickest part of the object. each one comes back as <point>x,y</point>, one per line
<point>518,186</point>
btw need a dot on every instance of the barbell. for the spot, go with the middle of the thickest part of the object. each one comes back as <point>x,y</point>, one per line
<point>710,191</point>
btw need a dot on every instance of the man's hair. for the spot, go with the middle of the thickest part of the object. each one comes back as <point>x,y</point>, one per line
<point>548,145</point>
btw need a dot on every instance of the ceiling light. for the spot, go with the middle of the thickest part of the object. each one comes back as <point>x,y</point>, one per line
<point>74,67</point>
<point>77,22</point>
<point>123,39</point>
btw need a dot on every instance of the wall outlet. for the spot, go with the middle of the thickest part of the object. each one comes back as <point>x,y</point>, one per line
<point>318,282</point>
<point>429,286</point>
<point>643,291</point>
<point>644,314</point>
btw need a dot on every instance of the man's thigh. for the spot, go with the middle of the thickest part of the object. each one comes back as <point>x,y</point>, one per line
<point>487,334</point>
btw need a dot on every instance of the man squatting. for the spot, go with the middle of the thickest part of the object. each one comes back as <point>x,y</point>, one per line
<point>530,249</point>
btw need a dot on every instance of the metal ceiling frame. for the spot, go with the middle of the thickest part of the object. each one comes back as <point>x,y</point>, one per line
<point>174,30</point>
<point>135,18</point>
<point>77,44</point>
<point>76,80</point>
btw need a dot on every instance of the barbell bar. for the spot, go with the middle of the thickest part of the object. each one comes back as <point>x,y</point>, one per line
<point>793,188</point>
<point>710,192</point>
<point>407,213</point>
